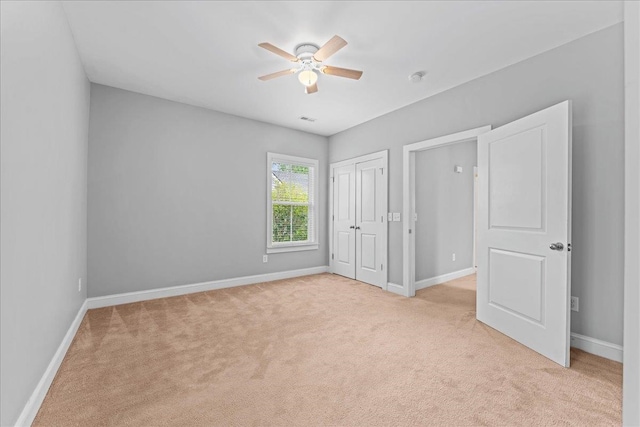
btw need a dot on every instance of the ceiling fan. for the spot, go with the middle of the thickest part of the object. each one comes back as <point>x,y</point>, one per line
<point>309,58</point>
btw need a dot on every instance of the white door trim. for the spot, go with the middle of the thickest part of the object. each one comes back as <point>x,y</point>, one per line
<point>631,356</point>
<point>475,217</point>
<point>384,155</point>
<point>409,197</point>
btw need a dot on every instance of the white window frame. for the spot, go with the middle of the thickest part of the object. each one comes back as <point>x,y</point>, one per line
<point>312,243</point>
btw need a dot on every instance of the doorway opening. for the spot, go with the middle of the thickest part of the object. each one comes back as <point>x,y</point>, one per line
<point>410,151</point>
<point>445,213</point>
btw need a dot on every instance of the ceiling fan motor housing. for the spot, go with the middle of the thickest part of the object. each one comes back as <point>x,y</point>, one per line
<point>305,52</point>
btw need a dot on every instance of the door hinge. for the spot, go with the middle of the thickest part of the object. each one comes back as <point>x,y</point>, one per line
<point>381,171</point>
<point>333,217</point>
<point>333,179</point>
<point>409,231</point>
<point>331,256</point>
<point>381,267</point>
<point>382,218</point>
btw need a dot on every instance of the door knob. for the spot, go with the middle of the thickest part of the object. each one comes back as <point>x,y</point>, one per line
<point>556,246</point>
<point>352,226</point>
<point>357,228</point>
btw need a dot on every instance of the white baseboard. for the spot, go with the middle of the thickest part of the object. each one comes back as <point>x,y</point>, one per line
<point>598,347</point>
<point>172,291</point>
<point>396,289</point>
<point>32,406</point>
<point>425,283</point>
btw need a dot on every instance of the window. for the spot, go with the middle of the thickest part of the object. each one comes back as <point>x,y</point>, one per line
<point>291,203</point>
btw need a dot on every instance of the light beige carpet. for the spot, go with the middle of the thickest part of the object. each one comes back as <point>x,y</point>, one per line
<point>318,350</point>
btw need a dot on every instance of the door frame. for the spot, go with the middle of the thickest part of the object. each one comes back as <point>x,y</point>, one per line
<point>631,355</point>
<point>409,198</point>
<point>475,216</point>
<point>384,155</point>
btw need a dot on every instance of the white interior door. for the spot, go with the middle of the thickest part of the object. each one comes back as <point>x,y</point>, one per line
<point>344,220</point>
<point>370,222</point>
<point>524,231</point>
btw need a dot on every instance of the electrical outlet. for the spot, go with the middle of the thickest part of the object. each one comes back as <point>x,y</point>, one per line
<point>396,216</point>
<point>80,284</point>
<point>575,304</point>
<point>390,216</point>
<point>265,258</point>
<point>453,257</point>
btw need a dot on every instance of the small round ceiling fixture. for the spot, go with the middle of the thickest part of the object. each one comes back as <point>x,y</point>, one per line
<point>417,77</point>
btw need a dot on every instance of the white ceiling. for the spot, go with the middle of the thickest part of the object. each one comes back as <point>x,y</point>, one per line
<point>207,54</point>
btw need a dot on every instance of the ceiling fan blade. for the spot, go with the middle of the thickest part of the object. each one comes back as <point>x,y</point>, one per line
<point>342,72</point>
<point>311,89</point>
<point>332,46</point>
<point>278,74</point>
<point>278,51</point>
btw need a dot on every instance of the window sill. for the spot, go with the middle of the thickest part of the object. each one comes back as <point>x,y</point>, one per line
<point>292,248</point>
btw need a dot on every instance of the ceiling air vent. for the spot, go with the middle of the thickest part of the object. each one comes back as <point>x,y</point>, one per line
<point>307,119</point>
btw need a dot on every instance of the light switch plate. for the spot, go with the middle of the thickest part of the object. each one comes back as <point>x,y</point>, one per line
<point>396,216</point>
<point>390,216</point>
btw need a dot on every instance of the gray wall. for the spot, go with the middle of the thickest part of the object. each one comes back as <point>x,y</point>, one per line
<point>588,71</point>
<point>43,152</point>
<point>177,194</point>
<point>444,203</point>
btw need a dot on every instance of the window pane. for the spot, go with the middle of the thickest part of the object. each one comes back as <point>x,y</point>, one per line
<point>281,223</point>
<point>290,182</point>
<point>290,223</point>
<point>299,223</point>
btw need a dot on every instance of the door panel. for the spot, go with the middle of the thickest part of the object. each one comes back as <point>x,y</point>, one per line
<point>370,221</point>
<point>344,247</point>
<point>516,181</point>
<point>524,207</point>
<point>345,196</point>
<point>524,296</point>
<point>368,251</point>
<point>368,195</point>
<point>344,250</point>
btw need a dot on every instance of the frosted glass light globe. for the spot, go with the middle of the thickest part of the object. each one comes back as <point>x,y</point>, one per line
<point>308,77</point>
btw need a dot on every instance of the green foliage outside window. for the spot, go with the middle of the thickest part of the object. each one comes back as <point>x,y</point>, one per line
<point>290,222</point>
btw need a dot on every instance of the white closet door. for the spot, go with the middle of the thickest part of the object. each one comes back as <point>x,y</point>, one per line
<point>370,222</point>
<point>344,215</point>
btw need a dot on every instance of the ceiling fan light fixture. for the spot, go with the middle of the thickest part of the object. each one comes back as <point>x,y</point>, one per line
<point>308,57</point>
<point>308,77</point>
